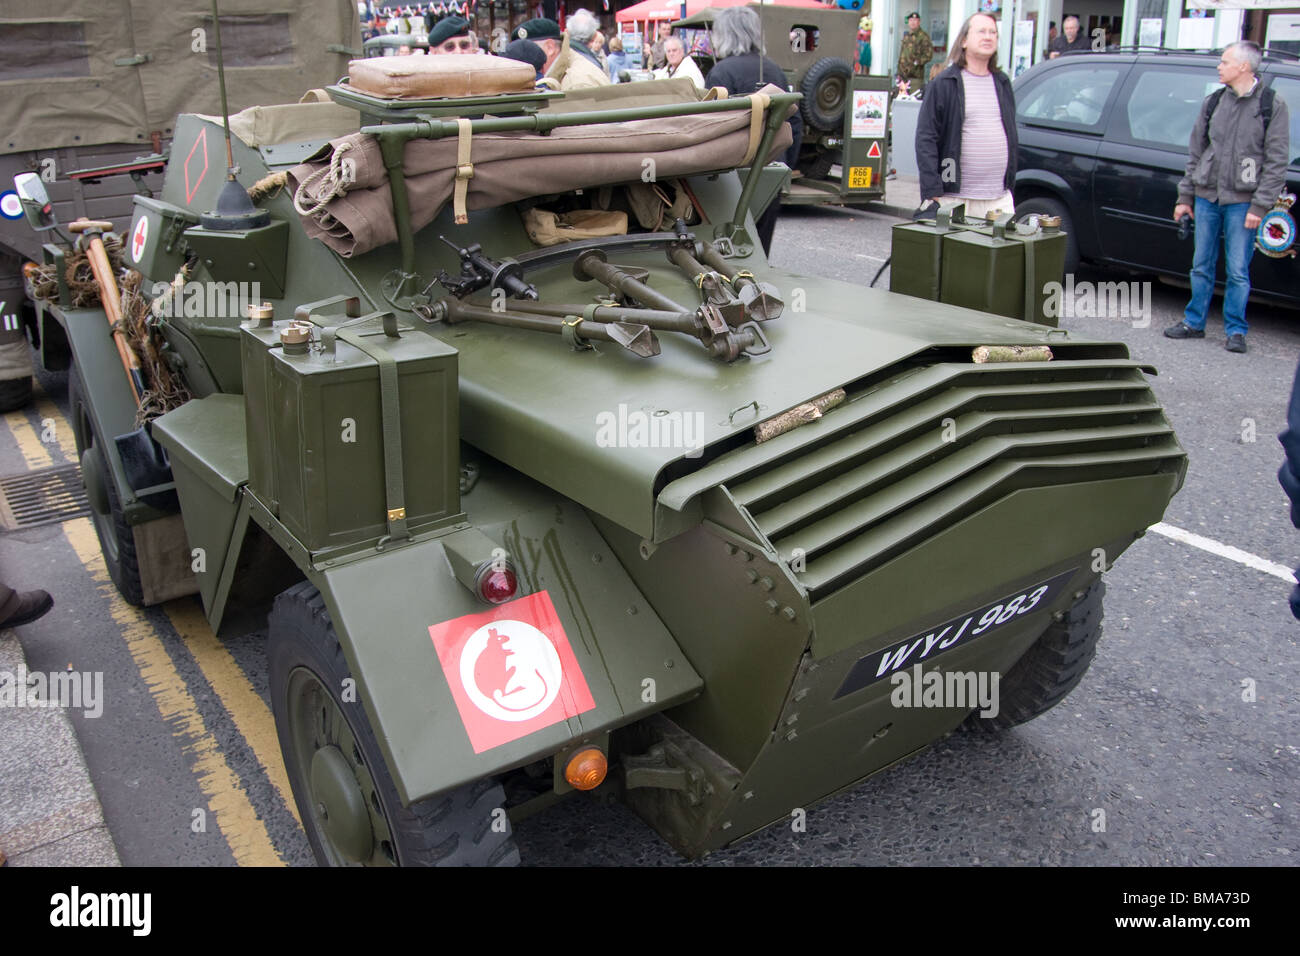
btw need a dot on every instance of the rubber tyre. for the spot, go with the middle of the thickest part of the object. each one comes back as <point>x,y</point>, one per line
<point>1051,668</point>
<point>116,537</point>
<point>826,92</point>
<point>15,393</point>
<point>819,167</point>
<point>450,829</point>
<point>1044,206</point>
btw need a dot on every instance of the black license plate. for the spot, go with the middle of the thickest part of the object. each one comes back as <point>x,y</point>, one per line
<point>958,632</point>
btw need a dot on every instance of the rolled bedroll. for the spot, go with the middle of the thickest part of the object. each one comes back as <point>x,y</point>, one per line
<point>344,198</point>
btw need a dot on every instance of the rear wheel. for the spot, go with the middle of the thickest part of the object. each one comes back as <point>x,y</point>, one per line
<point>116,537</point>
<point>1045,206</point>
<point>819,166</point>
<point>1051,668</point>
<point>346,798</point>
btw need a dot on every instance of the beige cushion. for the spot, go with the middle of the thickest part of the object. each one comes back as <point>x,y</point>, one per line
<point>439,74</point>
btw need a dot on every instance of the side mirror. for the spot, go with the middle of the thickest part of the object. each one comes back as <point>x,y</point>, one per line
<point>35,201</point>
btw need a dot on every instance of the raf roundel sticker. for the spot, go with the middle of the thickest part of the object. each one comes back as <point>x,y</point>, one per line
<point>511,671</point>
<point>139,236</point>
<point>10,205</point>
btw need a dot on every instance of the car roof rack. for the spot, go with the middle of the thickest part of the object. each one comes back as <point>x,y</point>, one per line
<point>1266,53</point>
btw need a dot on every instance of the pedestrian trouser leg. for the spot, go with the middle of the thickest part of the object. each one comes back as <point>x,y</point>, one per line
<point>1239,247</point>
<point>1205,258</point>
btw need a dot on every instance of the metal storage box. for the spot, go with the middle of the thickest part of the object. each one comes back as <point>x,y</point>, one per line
<point>325,411</point>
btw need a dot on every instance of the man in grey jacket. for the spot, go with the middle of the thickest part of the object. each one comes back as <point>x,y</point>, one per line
<point>1235,171</point>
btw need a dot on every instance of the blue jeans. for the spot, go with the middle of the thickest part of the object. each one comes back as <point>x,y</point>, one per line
<point>1213,220</point>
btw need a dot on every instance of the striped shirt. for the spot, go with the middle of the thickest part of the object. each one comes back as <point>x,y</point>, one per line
<point>983,140</point>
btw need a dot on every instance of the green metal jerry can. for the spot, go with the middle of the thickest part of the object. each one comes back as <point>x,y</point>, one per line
<point>1000,267</point>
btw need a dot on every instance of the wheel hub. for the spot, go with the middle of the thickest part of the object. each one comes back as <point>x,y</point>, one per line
<point>340,804</point>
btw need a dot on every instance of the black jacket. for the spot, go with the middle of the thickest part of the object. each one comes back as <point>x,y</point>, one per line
<point>1289,473</point>
<point>938,131</point>
<point>739,76</point>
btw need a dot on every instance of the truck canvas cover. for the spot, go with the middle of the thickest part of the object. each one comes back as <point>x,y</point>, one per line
<point>116,71</point>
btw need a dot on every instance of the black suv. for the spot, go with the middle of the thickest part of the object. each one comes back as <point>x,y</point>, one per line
<point>1103,143</point>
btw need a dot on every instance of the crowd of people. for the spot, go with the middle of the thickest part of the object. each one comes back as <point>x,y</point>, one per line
<point>585,56</point>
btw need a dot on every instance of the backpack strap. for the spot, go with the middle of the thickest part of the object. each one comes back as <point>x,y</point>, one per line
<point>1211,104</point>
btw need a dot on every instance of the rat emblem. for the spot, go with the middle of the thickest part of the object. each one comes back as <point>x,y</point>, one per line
<point>510,670</point>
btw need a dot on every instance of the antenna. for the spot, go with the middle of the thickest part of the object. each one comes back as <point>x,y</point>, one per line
<point>221,83</point>
<point>235,211</point>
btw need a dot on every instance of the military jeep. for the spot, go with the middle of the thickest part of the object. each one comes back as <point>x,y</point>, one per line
<point>844,115</point>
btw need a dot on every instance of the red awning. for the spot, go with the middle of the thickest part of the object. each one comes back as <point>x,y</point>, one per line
<point>652,10</point>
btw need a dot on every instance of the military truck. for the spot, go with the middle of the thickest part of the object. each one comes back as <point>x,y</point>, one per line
<point>550,485</point>
<point>89,95</point>
<point>844,115</point>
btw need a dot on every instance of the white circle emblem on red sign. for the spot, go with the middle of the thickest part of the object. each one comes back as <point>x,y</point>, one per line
<point>138,238</point>
<point>510,670</point>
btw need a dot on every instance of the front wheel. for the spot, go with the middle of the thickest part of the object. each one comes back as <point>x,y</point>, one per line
<point>1051,668</point>
<point>116,537</point>
<point>346,798</point>
<point>1045,206</point>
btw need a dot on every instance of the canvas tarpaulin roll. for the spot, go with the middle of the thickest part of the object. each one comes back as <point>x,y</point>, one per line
<point>74,73</point>
<point>509,167</point>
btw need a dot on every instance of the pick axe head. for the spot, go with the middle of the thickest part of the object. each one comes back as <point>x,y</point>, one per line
<point>90,229</point>
<point>762,301</point>
<point>92,226</point>
<point>637,339</point>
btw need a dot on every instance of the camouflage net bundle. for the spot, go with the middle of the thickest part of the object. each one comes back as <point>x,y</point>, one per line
<point>164,389</point>
<point>43,281</point>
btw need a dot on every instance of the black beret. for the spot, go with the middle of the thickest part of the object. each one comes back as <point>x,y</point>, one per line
<point>539,28</point>
<point>446,28</point>
<point>525,51</point>
<point>912,14</point>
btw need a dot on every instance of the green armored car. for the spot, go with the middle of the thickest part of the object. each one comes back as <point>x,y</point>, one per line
<point>550,483</point>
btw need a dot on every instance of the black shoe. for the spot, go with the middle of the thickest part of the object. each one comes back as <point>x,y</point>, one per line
<point>30,606</point>
<point>1236,343</point>
<point>1184,331</point>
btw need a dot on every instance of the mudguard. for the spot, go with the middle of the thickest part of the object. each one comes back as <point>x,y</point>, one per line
<point>433,734</point>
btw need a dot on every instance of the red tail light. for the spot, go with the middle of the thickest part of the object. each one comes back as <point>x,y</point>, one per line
<point>496,583</point>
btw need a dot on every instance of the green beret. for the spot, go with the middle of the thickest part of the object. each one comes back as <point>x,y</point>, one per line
<point>539,28</point>
<point>446,28</point>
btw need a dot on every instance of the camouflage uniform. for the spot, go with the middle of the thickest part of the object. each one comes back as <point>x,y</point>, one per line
<point>914,57</point>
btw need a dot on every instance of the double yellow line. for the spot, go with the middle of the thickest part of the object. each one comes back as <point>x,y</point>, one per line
<point>235,817</point>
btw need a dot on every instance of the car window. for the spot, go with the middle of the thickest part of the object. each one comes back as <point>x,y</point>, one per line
<point>1289,89</point>
<point>1162,108</point>
<point>1075,96</point>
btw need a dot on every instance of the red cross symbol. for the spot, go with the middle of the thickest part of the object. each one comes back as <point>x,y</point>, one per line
<point>138,238</point>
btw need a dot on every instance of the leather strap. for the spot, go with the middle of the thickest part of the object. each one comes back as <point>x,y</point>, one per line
<point>758,103</point>
<point>464,171</point>
<point>1031,290</point>
<point>390,409</point>
<point>391,412</point>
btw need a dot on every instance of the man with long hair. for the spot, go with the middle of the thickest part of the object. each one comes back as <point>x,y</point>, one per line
<point>966,133</point>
